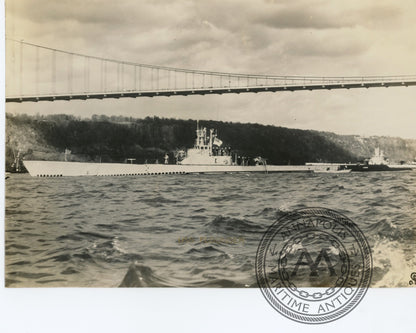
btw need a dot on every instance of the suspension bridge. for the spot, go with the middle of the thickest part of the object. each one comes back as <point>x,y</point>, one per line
<point>38,73</point>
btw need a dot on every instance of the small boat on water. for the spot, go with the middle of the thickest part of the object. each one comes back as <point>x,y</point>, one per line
<point>206,156</point>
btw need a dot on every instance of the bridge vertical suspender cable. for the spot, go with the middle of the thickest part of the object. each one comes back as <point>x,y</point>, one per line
<point>85,75</point>
<point>102,75</point>
<point>135,77</point>
<point>53,64</point>
<point>168,72</point>
<point>87,68</point>
<point>140,77</point>
<point>118,76</point>
<point>122,76</point>
<point>69,58</point>
<point>21,68</point>
<point>37,71</point>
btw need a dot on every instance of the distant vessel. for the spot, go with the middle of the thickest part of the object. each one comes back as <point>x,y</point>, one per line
<point>378,162</point>
<point>206,156</point>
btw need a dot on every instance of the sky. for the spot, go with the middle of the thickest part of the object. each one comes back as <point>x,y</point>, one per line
<point>297,37</point>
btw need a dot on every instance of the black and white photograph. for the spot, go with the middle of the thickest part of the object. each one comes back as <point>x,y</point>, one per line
<point>262,146</point>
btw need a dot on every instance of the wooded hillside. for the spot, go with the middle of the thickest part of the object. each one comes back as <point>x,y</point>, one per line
<point>113,139</point>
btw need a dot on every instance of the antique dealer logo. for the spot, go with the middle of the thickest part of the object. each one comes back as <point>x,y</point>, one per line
<point>314,265</point>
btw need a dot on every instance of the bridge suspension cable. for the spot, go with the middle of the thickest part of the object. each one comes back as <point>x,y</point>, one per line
<point>74,75</point>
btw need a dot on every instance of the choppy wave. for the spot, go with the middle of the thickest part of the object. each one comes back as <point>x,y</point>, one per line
<point>386,229</point>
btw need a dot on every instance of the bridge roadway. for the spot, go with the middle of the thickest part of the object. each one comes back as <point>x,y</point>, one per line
<point>207,91</point>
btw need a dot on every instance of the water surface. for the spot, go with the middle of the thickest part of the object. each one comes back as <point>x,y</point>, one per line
<point>190,230</point>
